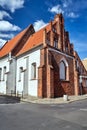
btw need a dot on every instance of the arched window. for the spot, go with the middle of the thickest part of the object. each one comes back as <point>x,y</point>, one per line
<point>62,71</point>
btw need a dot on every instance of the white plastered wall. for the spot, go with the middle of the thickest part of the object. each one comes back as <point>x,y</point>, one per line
<point>4,63</point>
<point>25,62</point>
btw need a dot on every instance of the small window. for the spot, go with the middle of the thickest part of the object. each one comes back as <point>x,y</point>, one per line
<point>33,71</point>
<point>4,72</point>
<point>0,73</point>
<point>54,30</point>
<point>56,43</point>
<point>66,49</point>
<point>20,71</point>
<point>62,71</point>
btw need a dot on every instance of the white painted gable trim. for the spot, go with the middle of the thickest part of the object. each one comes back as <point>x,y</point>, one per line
<point>30,51</point>
<point>63,59</point>
<point>50,49</point>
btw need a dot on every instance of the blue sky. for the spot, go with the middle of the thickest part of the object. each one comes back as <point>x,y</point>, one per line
<point>15,15</point>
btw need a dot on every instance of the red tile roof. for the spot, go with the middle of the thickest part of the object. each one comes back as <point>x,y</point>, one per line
<point>11,44</point>
<point>34,40</point>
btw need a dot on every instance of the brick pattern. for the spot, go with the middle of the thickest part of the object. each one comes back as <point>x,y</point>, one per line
<point>49,83</point>
<point>62,87</point>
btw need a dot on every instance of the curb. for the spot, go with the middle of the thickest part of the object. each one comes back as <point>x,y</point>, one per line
<point>51,101</point>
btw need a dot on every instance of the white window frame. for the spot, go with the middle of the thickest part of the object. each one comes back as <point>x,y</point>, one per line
<point>62,71</point>
<point>33,70</point>
<point>66,69</point>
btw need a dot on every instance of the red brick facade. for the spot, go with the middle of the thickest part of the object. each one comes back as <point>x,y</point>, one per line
<point>57,48</point>
<point>80,71</point>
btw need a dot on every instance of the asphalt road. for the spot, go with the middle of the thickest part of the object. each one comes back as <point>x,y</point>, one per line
<point>27,116</point>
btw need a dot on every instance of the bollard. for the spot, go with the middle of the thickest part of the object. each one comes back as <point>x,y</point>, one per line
<point>65,97</point>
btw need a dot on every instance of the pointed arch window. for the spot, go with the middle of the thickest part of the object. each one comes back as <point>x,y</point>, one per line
<point>62,71</point>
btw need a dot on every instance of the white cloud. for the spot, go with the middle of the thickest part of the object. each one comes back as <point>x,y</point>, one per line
<point>56,9</point>
<point>12,5</point>
<point>7,26</point>
<point>39,24</point>
<point>4,14</point>
<point>66,7</point>
<point>2,42</point>
<point>72,15</point>
<point>9,36</point>
<point>66,3</point>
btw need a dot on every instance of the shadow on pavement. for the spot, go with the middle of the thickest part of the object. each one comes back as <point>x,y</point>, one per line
<point>4,99</point>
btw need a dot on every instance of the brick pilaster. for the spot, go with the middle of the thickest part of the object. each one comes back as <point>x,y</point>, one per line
<point>50,82</point>
<point>76,79</point>
<point>50,76</point>
<point>51,35</point>
<point>60,30</point>
<point>41,82</point>
<point>42,74</point>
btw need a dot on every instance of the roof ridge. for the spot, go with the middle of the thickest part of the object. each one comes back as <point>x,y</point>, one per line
<point>35,39</point>
<point>4,45</point>
<point>26,35</point>
<point>3,49</point>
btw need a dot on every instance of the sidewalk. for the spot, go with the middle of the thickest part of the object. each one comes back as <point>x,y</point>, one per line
<point>31,99</point>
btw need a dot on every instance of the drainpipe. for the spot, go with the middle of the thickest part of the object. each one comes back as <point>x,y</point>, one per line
<point>15,72</point>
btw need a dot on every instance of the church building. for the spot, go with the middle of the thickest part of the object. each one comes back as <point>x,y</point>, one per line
<point>42,64</point>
